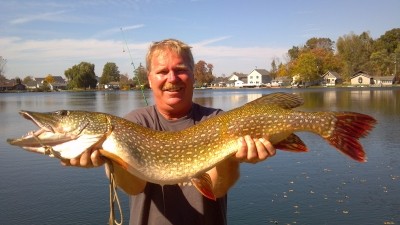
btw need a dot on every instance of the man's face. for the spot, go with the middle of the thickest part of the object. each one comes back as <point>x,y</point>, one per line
<point>172,81</point>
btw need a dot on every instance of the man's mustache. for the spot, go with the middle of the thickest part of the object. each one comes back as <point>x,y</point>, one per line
<point>171,87</point>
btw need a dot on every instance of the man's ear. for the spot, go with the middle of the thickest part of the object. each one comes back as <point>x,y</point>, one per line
<point>149,80</point>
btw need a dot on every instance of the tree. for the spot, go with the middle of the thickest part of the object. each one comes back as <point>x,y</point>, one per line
<point>81,76</point>
<point>389,41</point>
<point>140,77</point>
<point>306,66</point>
<point>320,43</point>
<point>49,79</point>
<point>203,73</point>
<point>386,53</point>
<point>274,69</point>
<point>124,82</point>
<point>27,79</point>
<point>110,73</point>
<point>355,51</point>
<point>282,70</point>
<point>293,53</point>
<point>3,79</point>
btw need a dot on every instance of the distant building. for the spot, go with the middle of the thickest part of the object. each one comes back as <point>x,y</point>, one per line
<point>236,80</point>
<point>361,78</point>
<point>258,77</point>
<point>331,78</point>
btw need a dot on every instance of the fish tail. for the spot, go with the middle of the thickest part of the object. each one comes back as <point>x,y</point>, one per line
<point>349,127</point>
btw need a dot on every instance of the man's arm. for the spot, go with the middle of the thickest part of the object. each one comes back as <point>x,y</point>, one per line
<point>226,173</point>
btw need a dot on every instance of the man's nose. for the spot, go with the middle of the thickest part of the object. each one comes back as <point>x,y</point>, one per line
<point>172,76</point>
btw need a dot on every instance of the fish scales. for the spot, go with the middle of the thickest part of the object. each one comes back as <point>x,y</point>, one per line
<point>175,157</point>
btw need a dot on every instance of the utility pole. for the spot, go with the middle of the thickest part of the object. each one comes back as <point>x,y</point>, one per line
<point>3,63</point>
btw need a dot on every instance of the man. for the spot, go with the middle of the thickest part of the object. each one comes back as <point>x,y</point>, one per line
<point>170,67</point>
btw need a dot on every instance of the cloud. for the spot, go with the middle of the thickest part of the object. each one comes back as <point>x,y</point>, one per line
<point>51,16</point>
<point>115,30</point>
<point>42,57</point>
<point>211,41</point>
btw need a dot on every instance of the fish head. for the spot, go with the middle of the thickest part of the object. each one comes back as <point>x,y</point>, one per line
<point>64,134</point>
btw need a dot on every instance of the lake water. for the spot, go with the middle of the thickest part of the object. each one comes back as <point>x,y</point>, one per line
<point>318,187</point>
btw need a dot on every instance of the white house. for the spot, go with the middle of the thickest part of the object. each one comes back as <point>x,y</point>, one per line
<point>239,83</point>
<point>361,78</point>
<point>237,79</point>
<point>331,78</point>
<point>258,77</point>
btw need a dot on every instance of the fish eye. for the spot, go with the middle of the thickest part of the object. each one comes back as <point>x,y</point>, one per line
<point>62,113</point>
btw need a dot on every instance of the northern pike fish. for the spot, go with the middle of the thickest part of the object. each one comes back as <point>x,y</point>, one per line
<point>172,157</point>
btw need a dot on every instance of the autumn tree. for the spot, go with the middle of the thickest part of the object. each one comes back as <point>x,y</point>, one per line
<point>203,73</point>
<point>312,60</point>
<point>49,79</point>
<point>81,76</point>
<point>282,70</point>
<point>110,73</point>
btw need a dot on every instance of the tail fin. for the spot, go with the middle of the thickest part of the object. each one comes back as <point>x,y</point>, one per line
<point>351,126</point>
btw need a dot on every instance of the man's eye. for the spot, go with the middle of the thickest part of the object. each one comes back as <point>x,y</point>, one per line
<point>180,71</point>
<point>163,72</point>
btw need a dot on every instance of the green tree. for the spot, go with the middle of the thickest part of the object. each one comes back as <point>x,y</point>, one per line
<point>27,79</point>
<point>274,69</point>
<point>320,43</point>
<point>294,53</point>
<point>124,82</point>
<point>81,76</point>
<point>140,77</point>
<point>355,51</point>
<point>389,41</point>
<point>110,73</point>
<point>386,53</point>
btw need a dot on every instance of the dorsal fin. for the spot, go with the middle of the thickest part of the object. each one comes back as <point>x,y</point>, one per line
<point>283,100</point>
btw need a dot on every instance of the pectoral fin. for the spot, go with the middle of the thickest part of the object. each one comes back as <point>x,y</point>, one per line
<point>204,185</point>
<point>292,143</point>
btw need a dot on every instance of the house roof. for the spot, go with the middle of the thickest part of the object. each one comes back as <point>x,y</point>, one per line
<point>262,71</point>
<point>358,73</point>
<point>240,76</point>
<point>333,73</point>
<point>389,78</point>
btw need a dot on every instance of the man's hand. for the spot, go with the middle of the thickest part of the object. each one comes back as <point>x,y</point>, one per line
<point>89,158</point>
<point>254,150</point>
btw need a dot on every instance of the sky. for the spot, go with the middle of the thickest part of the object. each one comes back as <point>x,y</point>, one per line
<point>44,37</point>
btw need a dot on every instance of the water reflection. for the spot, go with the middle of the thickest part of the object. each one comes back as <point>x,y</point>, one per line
<point>318,187</point>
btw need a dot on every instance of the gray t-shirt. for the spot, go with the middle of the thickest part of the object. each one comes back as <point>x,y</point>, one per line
<point>174,204</point>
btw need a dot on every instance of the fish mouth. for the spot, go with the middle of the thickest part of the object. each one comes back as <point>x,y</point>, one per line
<point>44,136</point>
<point>42,127</point>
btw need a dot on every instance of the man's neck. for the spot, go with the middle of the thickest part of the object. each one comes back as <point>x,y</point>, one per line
<point>174,113</point>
